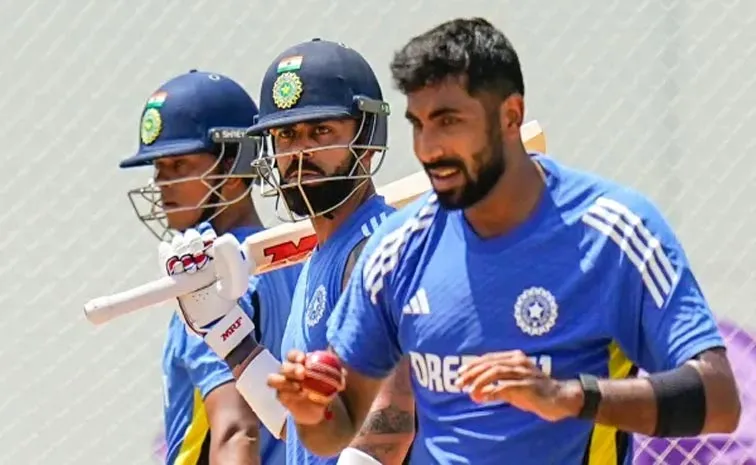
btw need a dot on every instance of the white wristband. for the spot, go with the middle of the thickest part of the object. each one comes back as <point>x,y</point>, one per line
<point>229,332</point>
<point>352,456</point>
<point>253,387</point>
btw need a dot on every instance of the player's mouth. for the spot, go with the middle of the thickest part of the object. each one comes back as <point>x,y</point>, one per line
<point>305,176</point>
<point>444,178</point>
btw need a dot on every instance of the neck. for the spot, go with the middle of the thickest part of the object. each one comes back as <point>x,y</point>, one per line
<point>511,201</point>
<point>239,215</point>
<point>325,227</point>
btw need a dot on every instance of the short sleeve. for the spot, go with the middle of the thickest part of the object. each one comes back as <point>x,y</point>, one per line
<point>664,318</point>
<point>362,329</point>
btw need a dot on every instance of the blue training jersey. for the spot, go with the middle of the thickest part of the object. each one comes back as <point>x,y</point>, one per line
<point>191,370</point>
<point>318,288</point>
<point>595,281</point>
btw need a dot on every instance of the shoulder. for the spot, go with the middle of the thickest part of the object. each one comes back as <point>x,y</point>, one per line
<point>632,235</point>
<point>380,211</point>
<point>622,230</point>
<point>377,213</point>
<point>603,204</point>
<point>402,225</point>
<point>397,239</point>
<point>627,217</point>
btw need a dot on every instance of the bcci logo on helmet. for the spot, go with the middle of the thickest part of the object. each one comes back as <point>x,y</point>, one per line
<point>152,123</point>
<point>287,90</point>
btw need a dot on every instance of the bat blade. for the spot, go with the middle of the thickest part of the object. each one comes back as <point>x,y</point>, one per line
<point>271,249</point>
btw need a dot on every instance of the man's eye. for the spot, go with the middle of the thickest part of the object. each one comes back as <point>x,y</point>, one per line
<point>285,134</point>
<point>320,130</point>
<point>449,120</point>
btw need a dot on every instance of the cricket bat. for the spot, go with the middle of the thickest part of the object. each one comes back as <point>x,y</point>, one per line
<point>272,249</point>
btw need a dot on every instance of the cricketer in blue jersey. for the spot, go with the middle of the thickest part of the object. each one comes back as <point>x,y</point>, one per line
<point>525,293</point>
<point>322,107</point>
<point>193,134</point>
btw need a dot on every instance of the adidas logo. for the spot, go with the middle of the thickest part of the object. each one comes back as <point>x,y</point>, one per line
<point>418,304</point>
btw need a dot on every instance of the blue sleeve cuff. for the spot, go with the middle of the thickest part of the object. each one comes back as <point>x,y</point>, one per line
<point>216,379</point>
<point>711,342</point>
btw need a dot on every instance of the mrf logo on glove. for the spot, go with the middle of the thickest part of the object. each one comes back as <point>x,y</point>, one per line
<point>231,329</point>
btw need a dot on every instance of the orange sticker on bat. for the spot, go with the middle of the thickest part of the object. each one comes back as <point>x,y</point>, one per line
<point>286,251</point>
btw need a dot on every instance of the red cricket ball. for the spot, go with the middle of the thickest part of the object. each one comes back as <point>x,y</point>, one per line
<point>323,376</point>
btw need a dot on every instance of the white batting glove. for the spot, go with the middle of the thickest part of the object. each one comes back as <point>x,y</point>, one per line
<point>227,267</point>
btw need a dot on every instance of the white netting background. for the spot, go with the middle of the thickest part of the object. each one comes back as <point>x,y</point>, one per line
<point>655,93</point>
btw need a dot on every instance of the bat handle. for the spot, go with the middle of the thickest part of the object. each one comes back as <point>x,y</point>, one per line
<point>103,309</point>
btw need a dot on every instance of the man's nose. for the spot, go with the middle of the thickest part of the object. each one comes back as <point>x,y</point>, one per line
<point>427,147</point>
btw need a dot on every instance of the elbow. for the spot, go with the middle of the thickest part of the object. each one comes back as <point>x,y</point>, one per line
<point>727,417</point>
<point>726,409</point>
<point>244,427</point>
<point>247,433</point>
<point>721,391</point>
<point>733,419</point>
<point>235,439</point>
<point>728,404</point>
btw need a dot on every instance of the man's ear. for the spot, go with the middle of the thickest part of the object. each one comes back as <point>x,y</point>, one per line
<point>224,167</point>
<point>512,115</point>
<point>234,183</point>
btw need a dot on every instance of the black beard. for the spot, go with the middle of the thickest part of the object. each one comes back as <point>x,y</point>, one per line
<point>322,197</point>
<point>491,168</point>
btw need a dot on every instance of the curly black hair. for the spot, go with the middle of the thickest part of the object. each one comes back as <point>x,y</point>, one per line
<point>471,49</point>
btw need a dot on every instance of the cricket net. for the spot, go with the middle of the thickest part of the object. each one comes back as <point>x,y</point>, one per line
<point>657,94</point>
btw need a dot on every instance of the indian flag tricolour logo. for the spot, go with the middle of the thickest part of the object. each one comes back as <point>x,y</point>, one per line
<point>157,99</point>
<point>290,64</point>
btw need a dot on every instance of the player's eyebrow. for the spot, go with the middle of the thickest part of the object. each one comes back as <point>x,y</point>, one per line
<point>289,127</point>
<point>410,117</point>
<point>437,113</point>
<point>442,111</point>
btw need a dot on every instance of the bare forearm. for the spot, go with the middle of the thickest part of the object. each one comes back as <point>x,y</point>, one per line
<point>690,404</point>
<point>626,404</point>
<point>389,428</point>
<point>332,435</point>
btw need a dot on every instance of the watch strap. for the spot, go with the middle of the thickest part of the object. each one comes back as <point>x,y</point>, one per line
<point>591,396</point>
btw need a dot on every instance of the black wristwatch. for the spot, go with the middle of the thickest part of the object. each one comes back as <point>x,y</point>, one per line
<point>591,396</point>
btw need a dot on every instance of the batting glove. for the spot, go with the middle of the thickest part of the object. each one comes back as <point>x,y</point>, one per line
<point>222,259</point>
